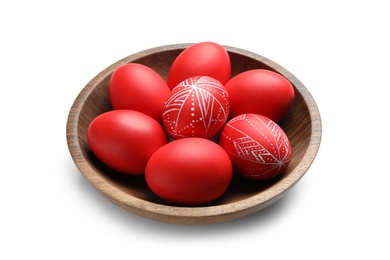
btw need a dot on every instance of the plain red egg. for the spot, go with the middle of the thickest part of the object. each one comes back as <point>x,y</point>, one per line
<point>260,91</point>
<point>189,171</point>
<point>200,59</point>
<point>124,140</point>
<point>137,87</point>
<point>258,147</point>
<point>197,107</point>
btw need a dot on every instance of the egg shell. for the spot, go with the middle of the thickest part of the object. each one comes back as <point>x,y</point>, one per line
<point>197,107</point>
<point>124,140</point>
<point>257,146</point>
<point>200,59</point>
<point>137,87</point>
<point>260,91</point>
<point>189,171</point>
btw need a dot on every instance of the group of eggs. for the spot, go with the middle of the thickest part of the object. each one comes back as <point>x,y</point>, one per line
<point>189,134</point>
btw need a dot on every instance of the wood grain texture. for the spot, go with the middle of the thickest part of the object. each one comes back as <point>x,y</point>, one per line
<point>302,125</point>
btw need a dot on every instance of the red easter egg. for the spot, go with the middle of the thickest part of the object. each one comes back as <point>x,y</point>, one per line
<point>124,140</point>
<point>258,147</point>
<point>260,91</point>
<point>197,107</point>
<point>204,58</point>
<point>189,171</point>
<point>137,87</point>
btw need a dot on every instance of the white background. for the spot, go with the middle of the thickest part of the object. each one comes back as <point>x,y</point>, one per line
<point>49,50</point>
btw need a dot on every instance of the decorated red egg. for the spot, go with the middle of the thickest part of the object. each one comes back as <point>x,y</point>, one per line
<point>260,91</point>
<point>203,58</point>
<point>197,107</point>
<point>258,147</point>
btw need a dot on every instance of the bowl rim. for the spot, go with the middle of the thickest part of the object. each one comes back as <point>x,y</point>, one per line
<point>198,214</point>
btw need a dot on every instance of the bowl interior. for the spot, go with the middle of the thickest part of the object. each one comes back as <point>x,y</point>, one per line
<point>94,100</point>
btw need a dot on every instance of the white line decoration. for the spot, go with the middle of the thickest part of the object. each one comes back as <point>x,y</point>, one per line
<point>198,106</point>
<point>268,159</point>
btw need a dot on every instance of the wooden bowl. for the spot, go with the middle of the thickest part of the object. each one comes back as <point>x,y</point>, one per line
<point>302,125</point>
